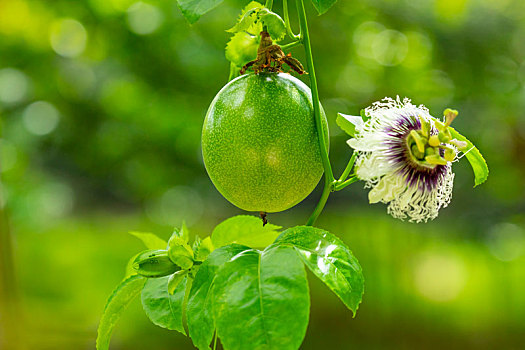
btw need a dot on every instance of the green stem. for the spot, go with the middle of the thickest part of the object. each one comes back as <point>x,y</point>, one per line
<point>339,185</point>
<point>333,186</point>
<point>328,174</point>
<point>320,205</point>
<point>289,30</point>
<point>349,167</point>
<point>269,4</point>
<point>215,341</point>
<point>291,45</point>
<point>315,93</point>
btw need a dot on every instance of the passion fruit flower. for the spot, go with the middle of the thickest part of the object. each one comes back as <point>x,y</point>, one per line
<point>405,157</point>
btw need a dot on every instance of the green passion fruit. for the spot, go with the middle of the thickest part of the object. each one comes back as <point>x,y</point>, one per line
<point>259,142</point>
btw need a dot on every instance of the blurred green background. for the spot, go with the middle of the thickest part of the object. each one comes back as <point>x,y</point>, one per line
<point>102,103</point>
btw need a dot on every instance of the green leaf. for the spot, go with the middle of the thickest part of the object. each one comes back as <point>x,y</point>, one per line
<point>127,290</point>
<point>261,300</point>
<point>150,240</point>
<point>247,19</point>
<point>274,24</point>
<point>254,17</point>
<point>175,280</point>
<point>180,235</point>
<point>130,270</point>
<point>161,307</point>
<point>184,232</point>
<point>196,243</point>
<point>323,5</point>
<point>242,48</point>
<point>348,123</point>
<point>178,249</point>
<point>199,314</point>
<point>476,160</point>
<point>246,230</point>
<point>330,260</point>
<point>203,248</point>
<point>181,255</point>
<point>192,10</point>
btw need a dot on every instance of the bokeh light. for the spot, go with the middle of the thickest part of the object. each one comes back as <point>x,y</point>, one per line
<point>419,52</point>
<point>40,118</point>
<point>68,37</point>
<point>364,38</point>
<point>390,47</point>
<point>506,241</point>
<point>176,205</point>
<point>144,18</point>
<point>14,85</point>
<point>55,200</point>
<point>440,277</point>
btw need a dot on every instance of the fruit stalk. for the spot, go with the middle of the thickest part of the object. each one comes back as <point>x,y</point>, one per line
<point>328,174</point>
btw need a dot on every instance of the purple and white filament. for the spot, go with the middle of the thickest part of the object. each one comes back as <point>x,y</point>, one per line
<point>413,189</point>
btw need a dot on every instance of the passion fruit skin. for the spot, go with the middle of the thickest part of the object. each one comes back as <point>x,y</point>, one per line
<point>259,142</point>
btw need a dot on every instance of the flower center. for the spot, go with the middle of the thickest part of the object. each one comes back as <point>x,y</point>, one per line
<point>427,147</point>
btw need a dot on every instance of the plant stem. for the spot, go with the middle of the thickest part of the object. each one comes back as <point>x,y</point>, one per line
<point>349,167</point>
<point>291,45</point>
<point>315,93</point>
<point>328,174</point>
<point>215,341</point>
<point>339,185</point>
<point>269,4</point>
<point>289,30</point>
<point>320,205</point>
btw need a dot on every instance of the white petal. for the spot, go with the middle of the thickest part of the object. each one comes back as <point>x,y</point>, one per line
<point>387,189</point>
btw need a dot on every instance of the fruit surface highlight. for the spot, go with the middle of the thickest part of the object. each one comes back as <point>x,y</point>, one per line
<point>259,142</point>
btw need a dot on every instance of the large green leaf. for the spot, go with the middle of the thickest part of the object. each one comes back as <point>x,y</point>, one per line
<point>161,307</point>
<point>323,5</point>
<point>194,9</point>
<point>246,230</point>
<point>199,314</point>
<point>330,260</point>
<point>476,160</point>
<point>261,300</point>
<point>115,306</point>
